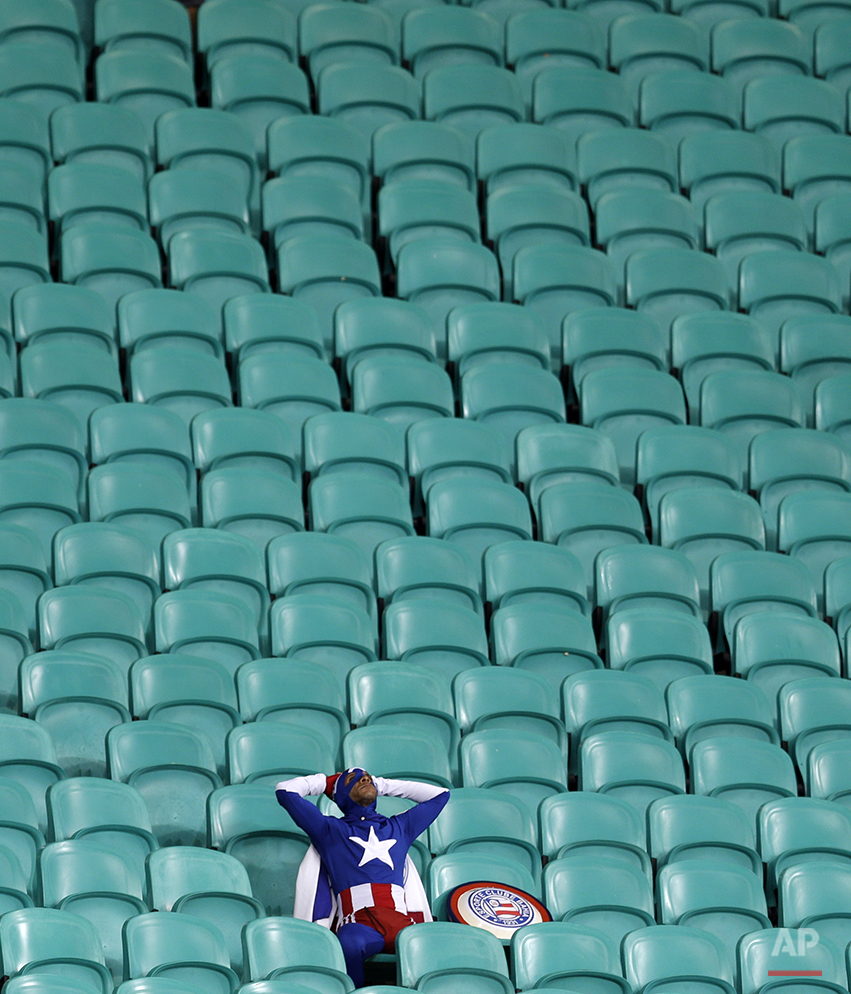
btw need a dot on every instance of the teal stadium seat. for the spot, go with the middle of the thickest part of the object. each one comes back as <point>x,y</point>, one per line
<point>43,940</point>
<point>502,758</point>
<point>812,527</point>
<point>192,200</point>
<point>23,574</point>
<point>187,690</point>
<point>97,882</point>
<point>246,821</point>
<point>409,209</point>
<point>453,869</point>
<point>557,280</point>
<point>705,706</point>
<point>678,103</point>
<point>795,830</point>
<point>758,46</point>
<point>792,106</point>
<point>28,757</point>
<point>646,43</point>
<point>418,567</point>
<point>312,145</point>
<point>523,154</point>
<point>440,273</point>
<point>472,962</point>
<point>726,161</point>
<point>172,767</point>
<point>19,833</point>
<point>622,158</point>
<point>135,25</point>
<point>795,460</point>
<point>184,380</point>
<point>505,697</point>
<point>37,496</point>
<point>587,518</point>
<point>105,811</point>
<point>256,322</point>
<point>211,624</point>
<point>739,223</point>
<point>543,37</point>
<point>402,753</point>
<point>743,770</point>
<point>671,457</point>
<point>325,271</point>
<point>664,955</point>
<point>522,572</point>
<point>750,582</point>
<point>623,402</point>
<point>477,514</point>
<point>579,99</point>
<point>148,82</point>
<point>178,946</point>
<point>207,138</point>
<point>101,134</point>
<point>449,36</point>
<point>295,951</point>
<point>210,885</point>
<point>691,826</point>
<point>151,500</point>
<point>810,712</point>
<point>55,312</point>
<point>479,334</point>
<point>298,692</point>
<point>586,823</point>
<point>309,205</point>
<point>705,342</point>
<point>368,95</point>
<point>381,326</point>
<point>401,694</point>
<point>157,318</point>
<point>485,821</point>
<point>26,138</point>
<point>557,453</point>
<point>328,36</point>
<point>561,952</point>
<point>600,893</point>
<point>472,97</point>
<point>258,89</point>
<point>361,507</point>
<point>444,448</point>
<point>265,752</point>
<point>423,150</point>
<point>44,75</point>
<point>645,577</point>
<point>815,895</point>
<point>544,639</point>
<point>823,958</point>
<point>441,635</point>
<point>632,766</point>
<point>244,437</point>
<point>81,192</point>
<point>338,635</point>
<point>401,390</point>
<point>237,27</point>
<point>77,697</point>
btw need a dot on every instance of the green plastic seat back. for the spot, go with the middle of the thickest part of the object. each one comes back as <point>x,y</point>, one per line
<point>101,133</point>
<point>276,749</point>
<point>397,752</point>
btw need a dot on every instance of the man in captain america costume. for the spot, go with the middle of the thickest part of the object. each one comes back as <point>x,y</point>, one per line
<point>363,853</point>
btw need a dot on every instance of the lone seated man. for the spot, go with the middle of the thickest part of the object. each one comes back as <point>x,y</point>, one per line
<point>363,853</point>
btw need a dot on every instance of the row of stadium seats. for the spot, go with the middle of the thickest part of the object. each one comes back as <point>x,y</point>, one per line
<point>284,955</point>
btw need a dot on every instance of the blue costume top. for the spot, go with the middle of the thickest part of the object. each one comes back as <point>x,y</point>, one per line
<point>362,847</point>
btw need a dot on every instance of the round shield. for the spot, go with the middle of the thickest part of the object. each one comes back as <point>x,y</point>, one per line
<point>497,908</point>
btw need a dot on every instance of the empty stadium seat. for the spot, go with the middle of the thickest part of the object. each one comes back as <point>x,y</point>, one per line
<point>472,97</point>
<point>265,322</point>
<point>670,954</point>
<point>422,150</point>
<point>692,826</point>
<point>242,436</point>
<point>512,154</point>
<point>368,95</point>
<point>29,758</point>
<point>580,99</point>
<point>519,572</point>
<point>725,161</point>
<point>360,34</point>
<point>669,282</point>
<point>258,89</point>
<point>661,645</point>
<point>678,103</point>
<point>812,527</point>
<point>173,769</point>
<point>230,28</point>
<point>442,635</point>
<point>297,951</point>
<point>540,954</point>
<point>493,332</point>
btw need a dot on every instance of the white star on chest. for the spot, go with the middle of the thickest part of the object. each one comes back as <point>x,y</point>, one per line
<point>374,848</point>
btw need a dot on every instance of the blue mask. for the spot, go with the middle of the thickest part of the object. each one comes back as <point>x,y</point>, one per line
<point>342,793</point>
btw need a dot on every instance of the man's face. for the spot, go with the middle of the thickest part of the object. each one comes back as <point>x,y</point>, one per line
<point>363,792</point>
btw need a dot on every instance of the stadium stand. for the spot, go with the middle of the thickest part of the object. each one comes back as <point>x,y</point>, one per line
<point>460,390</point>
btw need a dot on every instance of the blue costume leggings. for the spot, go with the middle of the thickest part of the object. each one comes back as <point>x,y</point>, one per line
<point>359,942</point>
